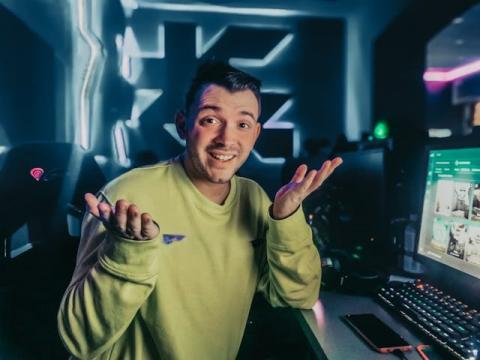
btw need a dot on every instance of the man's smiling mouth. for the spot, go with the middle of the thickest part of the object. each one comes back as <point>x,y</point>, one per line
<point>221,157</point>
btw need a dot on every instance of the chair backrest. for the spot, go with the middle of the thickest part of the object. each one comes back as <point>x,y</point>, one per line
<point>39,185</point>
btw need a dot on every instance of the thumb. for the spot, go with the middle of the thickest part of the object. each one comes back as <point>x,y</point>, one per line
<point>92,204</point>
<point>150,228</point>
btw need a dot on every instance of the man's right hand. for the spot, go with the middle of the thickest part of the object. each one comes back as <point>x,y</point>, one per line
<point>123,219</point>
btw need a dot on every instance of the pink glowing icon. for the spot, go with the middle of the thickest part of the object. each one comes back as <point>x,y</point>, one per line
<point>36,173</point>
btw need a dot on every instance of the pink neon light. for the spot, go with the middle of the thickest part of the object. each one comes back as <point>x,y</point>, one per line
<point>452,74</point>
<point>36,173</point>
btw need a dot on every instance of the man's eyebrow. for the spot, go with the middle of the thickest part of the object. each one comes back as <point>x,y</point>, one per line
<point>248,113</point>
<point>208,107</point>
<point>218,108</point>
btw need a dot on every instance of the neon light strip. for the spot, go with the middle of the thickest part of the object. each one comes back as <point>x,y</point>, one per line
<point>172,130</point>
<point>120,144</point>
<point>452,74</point>
<point>132,48</point>
<point>278,160</point>
<point>267,59</point>
<point>200,47</point>
<point>273,123</point>
<point>217,9</point>
<point>95,52</point>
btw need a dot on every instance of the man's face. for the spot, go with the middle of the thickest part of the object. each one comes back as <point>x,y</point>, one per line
<point>221,129</point>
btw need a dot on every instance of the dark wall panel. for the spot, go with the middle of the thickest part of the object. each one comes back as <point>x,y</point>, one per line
<point>27,93</point>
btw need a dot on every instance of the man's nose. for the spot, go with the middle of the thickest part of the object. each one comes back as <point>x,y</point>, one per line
<point>226,135</point>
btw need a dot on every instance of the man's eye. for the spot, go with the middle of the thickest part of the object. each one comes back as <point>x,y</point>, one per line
<point>244,125</point>
<point>209,121</point>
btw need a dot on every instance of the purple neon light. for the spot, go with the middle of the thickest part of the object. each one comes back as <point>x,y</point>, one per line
<point>452,74</point>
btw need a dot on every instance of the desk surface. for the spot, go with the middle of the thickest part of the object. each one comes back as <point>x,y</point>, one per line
<point>331,338</point>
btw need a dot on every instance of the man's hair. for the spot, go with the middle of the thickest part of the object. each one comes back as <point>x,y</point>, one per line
<point>222,74</point>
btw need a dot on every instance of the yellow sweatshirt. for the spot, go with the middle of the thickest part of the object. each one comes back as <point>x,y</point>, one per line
<point>187,293</point>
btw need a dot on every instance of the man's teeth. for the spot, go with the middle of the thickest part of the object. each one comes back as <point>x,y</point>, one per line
<point>223,157</point>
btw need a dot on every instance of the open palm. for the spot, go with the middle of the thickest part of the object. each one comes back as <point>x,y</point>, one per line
<point>291,195</point>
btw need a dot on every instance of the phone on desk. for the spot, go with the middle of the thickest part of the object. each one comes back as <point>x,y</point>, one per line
<point>376,333</point>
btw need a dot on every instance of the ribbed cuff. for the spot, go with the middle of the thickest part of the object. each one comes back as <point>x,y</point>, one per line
<point>289,233</point>
<point>130,259</point>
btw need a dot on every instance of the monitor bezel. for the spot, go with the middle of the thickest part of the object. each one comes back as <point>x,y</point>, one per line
<point>459,284</point>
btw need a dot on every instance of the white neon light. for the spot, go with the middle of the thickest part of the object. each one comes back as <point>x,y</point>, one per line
<point>120,144</point>
<point>201,47</point>
<point>126,67</point>
<point>101,159</point>
<point>144,98</point>
<point>240,62</point>
<point>95,53</point>
<point>172,130</point>
<point>132,48</point>
<point>3,149</point>
<point>279,160</point>
<point>130,4</point>
<point>296,143</point>
<point>276,90</point>
<point>217,9</point>
<point>273,123</point>
<point>133,123</point>
<point>119,42</point>
<point>131,69</point>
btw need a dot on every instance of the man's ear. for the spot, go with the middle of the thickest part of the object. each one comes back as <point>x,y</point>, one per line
<point>181,124</point>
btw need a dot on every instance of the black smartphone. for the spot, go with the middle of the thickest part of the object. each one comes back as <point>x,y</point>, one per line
<point>376,333</point>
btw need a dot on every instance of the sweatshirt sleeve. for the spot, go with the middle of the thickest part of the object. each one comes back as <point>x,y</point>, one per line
<point>112,279</point>
<point>290,267</point>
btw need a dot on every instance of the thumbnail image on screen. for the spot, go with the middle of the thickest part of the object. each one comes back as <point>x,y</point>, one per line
<point>450,227</point>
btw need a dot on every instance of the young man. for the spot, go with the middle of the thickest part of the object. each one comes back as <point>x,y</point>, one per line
<point>180,287</point>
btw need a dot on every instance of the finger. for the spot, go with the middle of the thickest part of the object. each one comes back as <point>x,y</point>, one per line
<point>299,174</point>
<point>335,163</point>
<point>306,183</point>
<point>120,218</point>
<point>134,223</point>
<point>105,212</point>
<point>150,229</point>
<point>322,175</point>
<point>325,172</point>
<point>92,203</point>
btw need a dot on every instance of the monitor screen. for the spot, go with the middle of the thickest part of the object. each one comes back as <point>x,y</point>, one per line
<point>450,225</point>
<point>349,210</point>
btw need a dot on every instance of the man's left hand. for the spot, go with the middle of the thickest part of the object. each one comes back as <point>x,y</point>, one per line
<point>290,196</point>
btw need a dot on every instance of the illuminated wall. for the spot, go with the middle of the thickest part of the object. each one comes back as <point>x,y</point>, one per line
<point>149,55</point>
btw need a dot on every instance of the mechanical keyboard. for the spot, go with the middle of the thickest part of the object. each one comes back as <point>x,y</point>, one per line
<point>453,325</point>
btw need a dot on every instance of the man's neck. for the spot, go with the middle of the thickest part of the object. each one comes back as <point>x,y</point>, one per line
<point>217,193</point>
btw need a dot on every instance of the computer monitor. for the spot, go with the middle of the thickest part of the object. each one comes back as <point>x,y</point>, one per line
<point>352,204</point>
<point>449,234</point>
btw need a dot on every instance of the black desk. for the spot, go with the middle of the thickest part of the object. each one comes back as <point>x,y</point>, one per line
<point>331,338</point>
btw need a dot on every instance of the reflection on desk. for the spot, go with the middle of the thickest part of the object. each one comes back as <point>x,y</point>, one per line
<point>331,338</point>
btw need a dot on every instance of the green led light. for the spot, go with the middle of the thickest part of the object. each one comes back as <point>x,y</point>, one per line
<point>381,130</point>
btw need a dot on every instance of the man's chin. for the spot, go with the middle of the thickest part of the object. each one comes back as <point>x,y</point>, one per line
<point>221,178</point>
